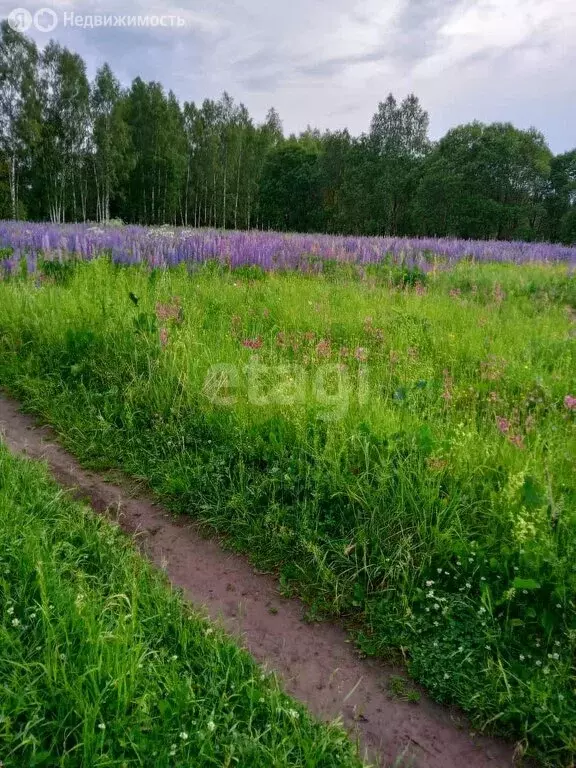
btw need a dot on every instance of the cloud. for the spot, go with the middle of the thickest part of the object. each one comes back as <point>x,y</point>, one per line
<point>329,62</point>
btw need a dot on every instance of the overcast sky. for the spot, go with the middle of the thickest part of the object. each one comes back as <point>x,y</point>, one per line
<point>329,62</point>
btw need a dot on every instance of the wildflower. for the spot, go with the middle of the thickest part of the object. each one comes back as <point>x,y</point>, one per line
<point>446,676</point>
<point>174,658</point>
<point>436,607</point>
<point>183,735</point>
<point>102,726</point>
<point>15,622</point>
<point>499,294</point>
<point>554,656</point>
<point>163,337</point>
<point>546,670</point>
<point>570,402</point>
<point>10,610</point>
<point>522,657</point>
<point>439,570</point>
<point>518,441</point>
<point>361,354</point>
<point>170,311</point>
<point>503,426</point>
<point>211,726</point>
<point>253,343</point>
<point>429,583</point>
<point>538,663</point>
<point>293,714</point>
<point>173,750</point>
<point>323,348</point>
<point>209,631</point>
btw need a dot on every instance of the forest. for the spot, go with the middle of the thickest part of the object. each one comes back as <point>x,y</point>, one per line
<point>72,149</point>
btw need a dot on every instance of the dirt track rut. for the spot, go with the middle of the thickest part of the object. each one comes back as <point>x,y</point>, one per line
<point>317,662</point>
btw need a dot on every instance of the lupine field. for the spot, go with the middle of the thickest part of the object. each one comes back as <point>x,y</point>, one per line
<point>388,424</point>
<point>166,247</point>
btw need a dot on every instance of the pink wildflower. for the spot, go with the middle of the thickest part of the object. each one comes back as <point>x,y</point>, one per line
<point>253,343</point>
<point>570,402</point>
<point>503,425</point>
<point>420,289</point>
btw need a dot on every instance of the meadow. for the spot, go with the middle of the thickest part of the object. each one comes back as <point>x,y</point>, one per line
<point>390,428</point>
<point>103,665</point>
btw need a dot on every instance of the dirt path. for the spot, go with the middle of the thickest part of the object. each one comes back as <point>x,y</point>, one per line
<point>316,661</point>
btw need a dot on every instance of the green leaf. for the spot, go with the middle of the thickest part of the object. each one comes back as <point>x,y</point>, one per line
<point>528,584</point>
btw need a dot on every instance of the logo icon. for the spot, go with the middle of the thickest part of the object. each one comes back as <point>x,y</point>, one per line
<point>20,20</point>
<point>45,20</point>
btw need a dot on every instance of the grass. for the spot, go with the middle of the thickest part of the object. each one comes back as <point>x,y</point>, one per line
<point>399,447</point>
<point>103,665</point>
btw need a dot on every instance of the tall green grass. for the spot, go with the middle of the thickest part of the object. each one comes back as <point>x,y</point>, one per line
<point>400,447</point>
<point>101,664</point>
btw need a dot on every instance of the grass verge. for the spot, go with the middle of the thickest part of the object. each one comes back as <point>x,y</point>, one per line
<point>102,664</point>
<point>399,447</point>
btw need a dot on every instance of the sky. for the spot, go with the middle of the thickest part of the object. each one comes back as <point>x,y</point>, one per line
<point>328,63</point>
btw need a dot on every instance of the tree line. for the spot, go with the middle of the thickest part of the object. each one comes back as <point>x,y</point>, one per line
<point>75,150</point>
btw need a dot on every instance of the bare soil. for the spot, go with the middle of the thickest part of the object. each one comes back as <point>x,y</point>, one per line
<point>316,661</point>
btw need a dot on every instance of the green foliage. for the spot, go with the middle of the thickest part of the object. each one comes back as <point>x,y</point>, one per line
<point>71,150</point>
<point>485,181</point>
<point>423,491</point>
<point>102,664</point>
